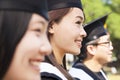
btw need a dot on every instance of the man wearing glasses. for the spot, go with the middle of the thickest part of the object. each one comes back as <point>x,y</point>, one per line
<point>96,51</point>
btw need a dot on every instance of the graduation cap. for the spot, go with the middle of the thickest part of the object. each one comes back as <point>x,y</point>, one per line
<point>95,29</point>
<point>35,6</point>
<point>59,4</point>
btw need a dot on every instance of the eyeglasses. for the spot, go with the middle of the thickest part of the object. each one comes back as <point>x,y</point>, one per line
<point>107,44</point>
<point>95,43</point>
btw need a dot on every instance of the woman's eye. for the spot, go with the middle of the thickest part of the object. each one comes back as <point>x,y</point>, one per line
<point>37,30</point>
<point>78,22</point>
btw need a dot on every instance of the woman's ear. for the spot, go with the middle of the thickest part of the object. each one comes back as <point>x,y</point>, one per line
<point>51,28</point>
<point>91,49</point>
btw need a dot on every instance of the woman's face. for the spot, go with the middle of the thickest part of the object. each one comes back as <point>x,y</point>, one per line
<point>30,51</point>
<point>68,33</point>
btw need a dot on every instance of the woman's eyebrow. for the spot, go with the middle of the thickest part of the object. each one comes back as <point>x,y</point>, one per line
<point>40,22</point>
<point>80,17</point>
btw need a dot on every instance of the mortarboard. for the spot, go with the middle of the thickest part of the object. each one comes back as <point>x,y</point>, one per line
<point>58,4</point>
<point>35,6</point>
<point>95,29</point>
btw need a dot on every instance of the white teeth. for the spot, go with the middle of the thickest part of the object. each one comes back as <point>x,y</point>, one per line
<point>78,42</point>
<point>35,63</point>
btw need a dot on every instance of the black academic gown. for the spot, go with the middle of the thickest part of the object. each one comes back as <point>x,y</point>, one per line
<point>50,72</point>
<point>81,72</point>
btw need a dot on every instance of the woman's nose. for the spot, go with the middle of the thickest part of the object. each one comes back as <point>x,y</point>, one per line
<point>83,32</point>
<point>46,47</point>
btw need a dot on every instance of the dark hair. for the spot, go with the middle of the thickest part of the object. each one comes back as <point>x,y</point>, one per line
<point>51,59</point>
<point>83,55</point>
<point>13,25</point>
<point>55,17</point>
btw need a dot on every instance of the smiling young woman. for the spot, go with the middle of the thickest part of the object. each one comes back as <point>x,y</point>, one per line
<point>23,38</point>
<point>65,32</point>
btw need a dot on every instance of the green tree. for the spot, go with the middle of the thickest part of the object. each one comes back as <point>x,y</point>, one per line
<point>96,8</point>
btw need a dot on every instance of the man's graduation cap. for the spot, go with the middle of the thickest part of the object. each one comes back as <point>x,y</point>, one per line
<point>35,6</point>
<point>58,4</point>
<point>95,29</point>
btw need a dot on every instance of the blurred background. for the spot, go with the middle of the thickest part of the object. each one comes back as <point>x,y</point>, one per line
<point>94,9</point>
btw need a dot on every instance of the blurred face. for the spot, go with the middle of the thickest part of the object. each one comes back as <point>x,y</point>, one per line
<point>69,32</point>
<point>30,51</point>
<point>104,50</point>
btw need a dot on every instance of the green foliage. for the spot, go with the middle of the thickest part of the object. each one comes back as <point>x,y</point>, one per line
<point>94,9</point>
<point>113,25</point>
<point>115,6</point>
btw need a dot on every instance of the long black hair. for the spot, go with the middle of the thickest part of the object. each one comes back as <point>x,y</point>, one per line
<point>13,25</point>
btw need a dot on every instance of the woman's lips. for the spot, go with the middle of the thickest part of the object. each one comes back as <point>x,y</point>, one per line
<point>34,63</point>
<point>78,43</point>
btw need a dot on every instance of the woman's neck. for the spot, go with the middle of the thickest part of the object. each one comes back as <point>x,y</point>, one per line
<point>58,53</point>
<point>58,56</point>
